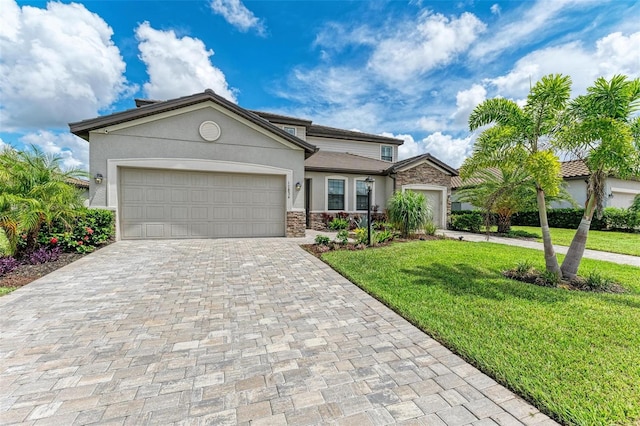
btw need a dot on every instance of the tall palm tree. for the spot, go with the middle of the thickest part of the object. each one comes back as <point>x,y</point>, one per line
<point>521,135</point>
<point>34,191</point>
<point>599,128</point>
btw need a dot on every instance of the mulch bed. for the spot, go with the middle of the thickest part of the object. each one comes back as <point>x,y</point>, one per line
<point>24,274</point>
<point>576,284</point>
<point>318,249</point>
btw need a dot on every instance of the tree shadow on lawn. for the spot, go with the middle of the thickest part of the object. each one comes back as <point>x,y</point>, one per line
<point>462,279</point>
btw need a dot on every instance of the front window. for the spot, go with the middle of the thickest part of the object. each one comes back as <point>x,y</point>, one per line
<point>386,153</point>
<point>336,194</point>
<point>362,202</point>
<point>290,130</point>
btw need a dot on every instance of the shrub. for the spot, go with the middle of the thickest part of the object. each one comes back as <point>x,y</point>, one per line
<point>322,240</point>
<point>524,268</point>
<point>338,223</point>
<point>517,233</point>
<point>361,235</point>
<point>548,279</point>
<point>8,264</point>
<point>430,228</point>
<point>467,222</point>
<point>343,236</point>
<point>43,255</point>
<point>621,219</point>
<point>408,211</point>
<point>597,282</point>
<point>383,236</point>
<point>360,222</point>
<point>92,228</point>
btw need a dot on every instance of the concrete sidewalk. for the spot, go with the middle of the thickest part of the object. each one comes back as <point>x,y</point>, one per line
<point>622,259</point>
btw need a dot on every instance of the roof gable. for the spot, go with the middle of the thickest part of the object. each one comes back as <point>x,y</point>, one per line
<point>412,162</point>
<point>155,108</point>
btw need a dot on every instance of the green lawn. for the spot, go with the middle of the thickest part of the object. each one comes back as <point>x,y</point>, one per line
<point>614,242</point>
<point>575,355</point>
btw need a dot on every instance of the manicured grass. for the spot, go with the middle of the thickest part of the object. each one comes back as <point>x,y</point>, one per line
<point>614,242</point>
<point>573,354</point>
<point>6,290</point>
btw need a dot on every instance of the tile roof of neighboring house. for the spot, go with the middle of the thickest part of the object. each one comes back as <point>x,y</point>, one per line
<point>423,157</point>
<point>568,169</point>
<point>340,162</point>
<point>149,108</point>
<point>79,183</point>
<point>575,168</point>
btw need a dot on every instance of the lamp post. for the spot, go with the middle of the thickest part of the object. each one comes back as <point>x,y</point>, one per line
<point>369,182</point>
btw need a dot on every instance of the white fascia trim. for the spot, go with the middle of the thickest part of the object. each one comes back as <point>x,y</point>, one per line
<point>442,189</point>
<point>191,108</point>
<point>186,164</point>
<point>625,190</point>
<point>326,191</point>
<point>355,192</point>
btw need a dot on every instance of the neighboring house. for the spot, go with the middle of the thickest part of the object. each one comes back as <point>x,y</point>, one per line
<point>575,174</point>
<point>203,167</point>
<point>83,186</point>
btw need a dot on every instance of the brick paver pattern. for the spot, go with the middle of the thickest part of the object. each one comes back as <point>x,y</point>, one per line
<point>218,332</point>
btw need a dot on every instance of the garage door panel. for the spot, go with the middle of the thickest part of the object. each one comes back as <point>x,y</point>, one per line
<point>154,230</point>
<point>177,204</point>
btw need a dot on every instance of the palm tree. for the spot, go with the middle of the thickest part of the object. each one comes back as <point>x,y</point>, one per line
<point>598,127</point>
<point>34,191</point>
<point>521,135</point>
<point>502,191</point>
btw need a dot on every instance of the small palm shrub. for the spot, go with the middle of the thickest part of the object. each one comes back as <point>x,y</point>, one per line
<point>595,281</point>
<point>409,212</point>
<point>430,228</point>
<point>322,240</point>
<point>338,223</point>
<point>343,236</point>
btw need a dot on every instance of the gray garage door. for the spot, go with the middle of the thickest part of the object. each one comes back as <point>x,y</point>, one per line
<point>434,199</point>
<point>185,204</point>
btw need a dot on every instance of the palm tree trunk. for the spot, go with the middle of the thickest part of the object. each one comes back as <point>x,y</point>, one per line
<point>550,259</point>
<point>576,249</point>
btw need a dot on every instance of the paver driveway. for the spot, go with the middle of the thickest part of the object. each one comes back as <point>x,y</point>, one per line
<point>226,332</point>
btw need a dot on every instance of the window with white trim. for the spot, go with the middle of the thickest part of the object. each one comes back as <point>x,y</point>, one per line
<point>362,202</point>
<point>290,130</point>
<point>335,194</point>
<point>386,153</point>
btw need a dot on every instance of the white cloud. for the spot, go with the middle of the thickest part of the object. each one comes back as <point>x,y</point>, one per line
<point>237,14</point>
<point>495,9</point>
<point>420,46</point>
<point>446,148</point>
<point>466,101</point>
<point>613,54</point>
<point>525,25</point>
<point>410,148</point>
<point>58,65</point>
<point>333,85</point>
<point>431,124</point>
<point>73,150</point>
<point>178,66</point>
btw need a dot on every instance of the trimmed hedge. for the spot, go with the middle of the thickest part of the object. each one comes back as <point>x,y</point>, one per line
<point>613,219</point>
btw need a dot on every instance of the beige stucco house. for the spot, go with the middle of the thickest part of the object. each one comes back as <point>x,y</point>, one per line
<point>203,167</point>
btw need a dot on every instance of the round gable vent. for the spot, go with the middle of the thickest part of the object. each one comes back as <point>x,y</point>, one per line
<point>209,131</point>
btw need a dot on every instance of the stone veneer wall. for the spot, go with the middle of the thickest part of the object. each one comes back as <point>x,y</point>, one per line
<point>296,224</point>
<point>428,175</point>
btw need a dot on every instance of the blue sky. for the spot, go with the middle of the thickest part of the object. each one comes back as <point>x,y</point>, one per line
<point>414,70</point>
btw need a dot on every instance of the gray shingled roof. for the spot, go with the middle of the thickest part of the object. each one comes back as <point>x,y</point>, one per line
<point>323,161</point>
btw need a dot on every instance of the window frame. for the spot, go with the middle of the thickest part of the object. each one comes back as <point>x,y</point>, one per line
<point>382,156</point>
<point>344,195</point>
<point>288,130</point>
<point>355,193</point>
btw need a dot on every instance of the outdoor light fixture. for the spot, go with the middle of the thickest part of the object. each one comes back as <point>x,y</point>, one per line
<point>369,182</point>
<point>298,186</point>
<point>98,178</point>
